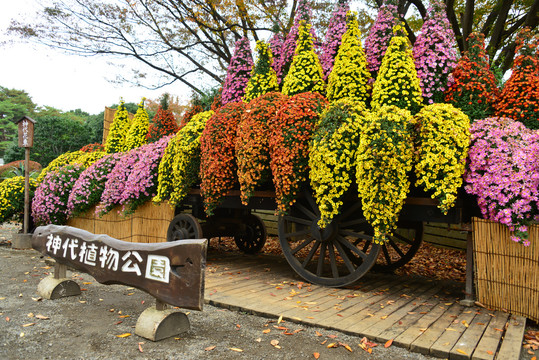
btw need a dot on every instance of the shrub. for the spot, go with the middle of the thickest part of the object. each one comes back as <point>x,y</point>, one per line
<point>442,148</point>
<point>383,159</point>
<point>238,73</point>
<point>118,129</point>
<point>217,165</point>
<point>474,87</point>
<point>305,73</point>
<point>397,82</point>
<point>12,198</point>
<point>49,204</point>
<point>350,77</point>
<point>435,53</point>
<point>263,78</point>
<point>290,133</point>
<point>252,153</point>
<point>332,155</point>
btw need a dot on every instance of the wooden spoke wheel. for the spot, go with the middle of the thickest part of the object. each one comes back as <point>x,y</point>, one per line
<point>252,237</point>
<point>400,247</point>
<point>183,227</point>
<point>338,255</point>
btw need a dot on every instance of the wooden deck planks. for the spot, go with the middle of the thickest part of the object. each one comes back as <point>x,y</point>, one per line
<point>423,316</point>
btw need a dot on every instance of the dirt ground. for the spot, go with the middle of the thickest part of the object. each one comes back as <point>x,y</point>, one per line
<point>96,324</point>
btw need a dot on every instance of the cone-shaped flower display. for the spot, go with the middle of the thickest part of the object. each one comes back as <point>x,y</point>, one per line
<point>380,34</point>
<point>519,99</point>
<point>305,73</point>
<point>435,53</point>
<point>332,155</point>
<point>474,87</point>
<point>334,33</point>
<point>238,73</point>
<point>138,131</point>
<point>397,82</point>
<point>350,77</point>
<point>263,78</point>
<point>276,44</point>
<point>218,162</point>
<point>118,130</point>
<point>252,154</point>
<point>162,124</point>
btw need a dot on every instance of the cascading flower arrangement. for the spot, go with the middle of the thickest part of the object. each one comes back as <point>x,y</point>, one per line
<point>442,147</point>
<point>189,113</point>
<point>115,141</point>
<point>163,124</point>
<point>383,159</point>
<point>263,78</point>
<point>380,34</point>
<point>217,161</point>
<point>92,147</point>
<point>138,131</point>
<point>519,99</point>
<point>290,133</point>
<point>503,172</point>
<point>435,53</point>
<point>350,77</point>
<point>305,74</point>
<point>252,153</point>
<point>12,198</point>
<point>397,82</point>
<point>334,33</point>
<point>474,87</point>
<point>141,184</point>
<point>87,159</point>
<point>49,204</point>
<point>238,72</point>
<point>332,155</point>
<point>89,187</point>
<point>62,160</point>
<point>180,165</point>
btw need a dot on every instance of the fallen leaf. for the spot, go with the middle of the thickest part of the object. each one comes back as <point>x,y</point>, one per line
<point>238,326</point>
<point>449,329</point>
<point>140,346</point>
<point>280,327</point>
<point>118,322</point>
<point>316,332</point>
<point>534,358</point>
<point>332,345</point>
<point>82,301</point>
<point>210,348</point>
<point>323,342</point>
<point>369,350</point>
<point>2,298</point>
<point>332,336</point>
<point>8,319</point>
<point>266,331</point>
<point>236,349</point>
<point>465,324</point>
<point>498,329</point>
<point>87,283</point>
<point>274,342</point>
<point>316,355</point>
<point>130,294</point>
<point>37,298</point>
<point>347,347</point>
<point>462,352</point>
<point>30,315</point>
<point>280,319</point>
<point>384,317</point>
<point>21,334</point>
<point>490,352</point>
<point>123,316</point>
<point>124,335</point>
<point>388,343</point>
<point>42,317</point>
<point>29,324</point>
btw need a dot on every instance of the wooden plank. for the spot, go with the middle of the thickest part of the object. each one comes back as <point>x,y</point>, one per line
<point>443,345</point>
<point>488,345</point>
<point>423,343</point>
<point>416,329</point>
<point>464,348</point>
<point>512,340</point>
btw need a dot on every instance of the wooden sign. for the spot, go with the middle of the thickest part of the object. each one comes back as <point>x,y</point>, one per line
<point>26,132</point>
<point>172,272</point>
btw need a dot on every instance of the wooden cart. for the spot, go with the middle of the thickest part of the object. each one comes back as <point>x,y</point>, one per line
<point>338,255</point>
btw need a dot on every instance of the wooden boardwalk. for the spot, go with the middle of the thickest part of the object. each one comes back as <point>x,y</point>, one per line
<point>419,314</point>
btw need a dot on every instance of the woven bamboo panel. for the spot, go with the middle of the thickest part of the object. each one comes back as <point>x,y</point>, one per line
<point>115,225</point>
<point>84,221</point>
<point>150,222</point>
<point>506,273</point>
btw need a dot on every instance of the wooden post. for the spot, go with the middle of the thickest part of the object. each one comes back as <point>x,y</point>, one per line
<point>469,291</point>
<point>26,189</point>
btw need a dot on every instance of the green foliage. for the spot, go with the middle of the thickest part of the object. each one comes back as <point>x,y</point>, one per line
<point>397,82</point>
<point>118,130</point>
<point>305,74</point>
<point>14,104</point>
<point>350,76</point>
<point>136,136</point>
<point>263,78</point>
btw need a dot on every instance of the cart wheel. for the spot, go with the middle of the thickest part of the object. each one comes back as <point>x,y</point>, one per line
<point>338,255</point>
<point>183,227</point>
<point>401,247</point>
<point>252,239</point>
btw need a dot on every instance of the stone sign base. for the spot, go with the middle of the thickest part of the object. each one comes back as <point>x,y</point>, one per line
<point>21,241</point>
<point>155,325</point>
<point>52,288</point>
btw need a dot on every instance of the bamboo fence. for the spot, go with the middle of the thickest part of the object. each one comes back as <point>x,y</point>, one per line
<point>506,273</point>
<point>149,223</point>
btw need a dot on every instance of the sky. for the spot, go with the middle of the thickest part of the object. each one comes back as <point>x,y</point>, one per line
<point>66,82</point>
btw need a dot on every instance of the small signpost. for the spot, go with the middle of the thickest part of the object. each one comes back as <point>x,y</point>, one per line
<point>26,140</point>
<point>172,272</point>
